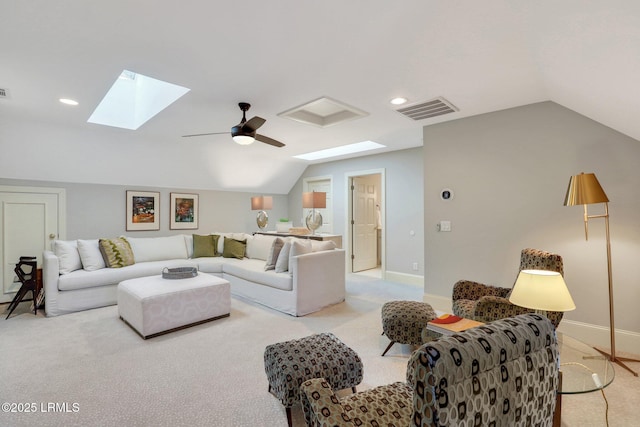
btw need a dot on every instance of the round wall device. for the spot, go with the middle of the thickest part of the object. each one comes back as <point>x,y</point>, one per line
<point>446,194</point>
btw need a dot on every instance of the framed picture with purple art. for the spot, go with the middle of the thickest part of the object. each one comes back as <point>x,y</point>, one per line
<point>184,211</point>
<point>143,210</point>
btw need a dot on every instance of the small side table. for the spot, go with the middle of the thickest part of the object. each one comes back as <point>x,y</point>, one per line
<point>582,370</point>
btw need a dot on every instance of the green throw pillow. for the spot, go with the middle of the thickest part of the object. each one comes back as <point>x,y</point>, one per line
<point>205,246</point>
<point>117,253</point>
<point>234,248</point>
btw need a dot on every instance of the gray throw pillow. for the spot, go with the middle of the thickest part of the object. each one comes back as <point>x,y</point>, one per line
<point>276,247</point>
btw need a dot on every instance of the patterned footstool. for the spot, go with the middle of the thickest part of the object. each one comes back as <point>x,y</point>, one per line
<point>403,321</point>
<point>288,364</point>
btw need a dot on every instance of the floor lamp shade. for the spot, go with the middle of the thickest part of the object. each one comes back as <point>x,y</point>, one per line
<point>262,203</point>
<point>541,290</point>
<point>584,189</point>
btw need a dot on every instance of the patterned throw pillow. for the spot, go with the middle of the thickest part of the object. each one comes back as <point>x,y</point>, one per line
<point>205,246</point>
<point>234,248</point>
<point>117,253</point>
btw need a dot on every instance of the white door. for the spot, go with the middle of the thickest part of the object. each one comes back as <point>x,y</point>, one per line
<point>29,223</point>
<point>365,222</point>
<point>322,185</point>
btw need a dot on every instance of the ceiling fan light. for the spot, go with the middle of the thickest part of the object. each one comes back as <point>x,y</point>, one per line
<point>243,139</point>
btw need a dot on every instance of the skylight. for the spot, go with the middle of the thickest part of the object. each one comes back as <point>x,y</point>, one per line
<point>342,150</point>
<point>133,99</point>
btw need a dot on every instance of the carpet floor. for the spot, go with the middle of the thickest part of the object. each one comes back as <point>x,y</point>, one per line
<point>91,369</point>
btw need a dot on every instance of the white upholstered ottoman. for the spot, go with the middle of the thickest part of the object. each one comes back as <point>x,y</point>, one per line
<point>153,306</point>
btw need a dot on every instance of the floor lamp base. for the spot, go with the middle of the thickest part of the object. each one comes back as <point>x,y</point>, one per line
<point>619,360</point>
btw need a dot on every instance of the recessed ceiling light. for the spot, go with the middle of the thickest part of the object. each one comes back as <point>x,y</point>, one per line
<point>398,101</point>
<point>68,101</point>
<point>133,99</point>
<point>340,151</point>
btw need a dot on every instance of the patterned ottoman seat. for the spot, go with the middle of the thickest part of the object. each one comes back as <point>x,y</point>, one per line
<point>403,321</point>
<point>288,364</point>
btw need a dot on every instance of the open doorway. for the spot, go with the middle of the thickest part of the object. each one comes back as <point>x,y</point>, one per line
<point>366,222</point>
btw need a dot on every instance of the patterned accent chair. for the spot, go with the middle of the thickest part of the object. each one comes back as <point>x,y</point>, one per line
<point>403,321</point>
<point>504,374</point>
<point>486,303</point>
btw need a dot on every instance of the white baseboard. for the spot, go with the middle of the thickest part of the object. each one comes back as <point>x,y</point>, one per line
<point>595,335</point>
<point>408,279</point>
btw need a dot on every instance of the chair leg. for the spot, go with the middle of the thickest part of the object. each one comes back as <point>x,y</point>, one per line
<point>288,410</point>
<point>388,347</point>
<point>17,299</point>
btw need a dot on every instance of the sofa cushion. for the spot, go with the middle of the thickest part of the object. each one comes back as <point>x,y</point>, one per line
<point>116,252</point>
<point>274,251</point>
<point>81,279</point>
<point>299,247</point>
<point>205,246</point>
<point>211,265</point>
<point>90,255</point>
<point>234,248</point>
<point>252,270</point>
<point>282,264</point>
<point>259,246</point>
<point>68,256</point>
<point>158,248</point>
<point>322,245</point>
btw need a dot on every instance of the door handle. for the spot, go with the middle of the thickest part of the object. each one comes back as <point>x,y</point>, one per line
<point>52,236</point>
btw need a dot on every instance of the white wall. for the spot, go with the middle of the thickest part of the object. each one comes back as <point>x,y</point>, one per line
<point>403,204</point>
<point>509,171</point>
<point>95,210</point>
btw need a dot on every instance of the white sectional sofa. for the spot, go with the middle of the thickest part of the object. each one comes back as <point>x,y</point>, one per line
<point>75,277</point>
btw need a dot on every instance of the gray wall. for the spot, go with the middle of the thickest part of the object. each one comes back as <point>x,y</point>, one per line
<point>403,204</point>
<point>95,210</point>
<point>509,171</point>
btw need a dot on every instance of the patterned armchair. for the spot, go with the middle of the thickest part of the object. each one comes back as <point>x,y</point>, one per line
<point>488,303</point>
<point>504,373</point>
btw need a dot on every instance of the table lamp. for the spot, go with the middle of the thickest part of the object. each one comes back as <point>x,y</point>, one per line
<point>261,204</point>
<point>542,291</point>
<point>314,200</point>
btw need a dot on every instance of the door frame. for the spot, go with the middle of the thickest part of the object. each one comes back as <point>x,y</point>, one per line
<point>349,216</point>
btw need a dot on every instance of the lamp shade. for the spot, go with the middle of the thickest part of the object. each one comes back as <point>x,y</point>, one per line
<point>259,203</point>
<point>243,139</point>
<point>314,200</point>
<point>584,189</point>
<point>541,290</point>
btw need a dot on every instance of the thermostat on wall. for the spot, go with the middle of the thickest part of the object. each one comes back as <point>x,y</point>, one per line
<point>446,194</point>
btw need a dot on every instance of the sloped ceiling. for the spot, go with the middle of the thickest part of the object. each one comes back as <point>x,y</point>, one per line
<point>481,56</point>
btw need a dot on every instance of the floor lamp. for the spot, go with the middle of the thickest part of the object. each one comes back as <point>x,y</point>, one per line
<point>584,189</point>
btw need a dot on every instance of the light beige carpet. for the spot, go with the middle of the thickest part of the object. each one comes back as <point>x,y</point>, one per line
<point>99,372</point>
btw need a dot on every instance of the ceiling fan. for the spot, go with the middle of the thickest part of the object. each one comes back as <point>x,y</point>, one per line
<point>244,133</point>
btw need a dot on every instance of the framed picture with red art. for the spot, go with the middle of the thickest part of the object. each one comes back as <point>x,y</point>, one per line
<point>143,210</point>
<point>184,211</point>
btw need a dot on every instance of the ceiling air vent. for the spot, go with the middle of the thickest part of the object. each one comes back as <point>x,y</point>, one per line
<point>425,110</point>
<point>4,93</point>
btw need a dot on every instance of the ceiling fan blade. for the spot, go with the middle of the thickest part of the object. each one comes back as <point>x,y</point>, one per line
<point>205,134</point>
<point>269,141</point>
<point>253,124</point>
